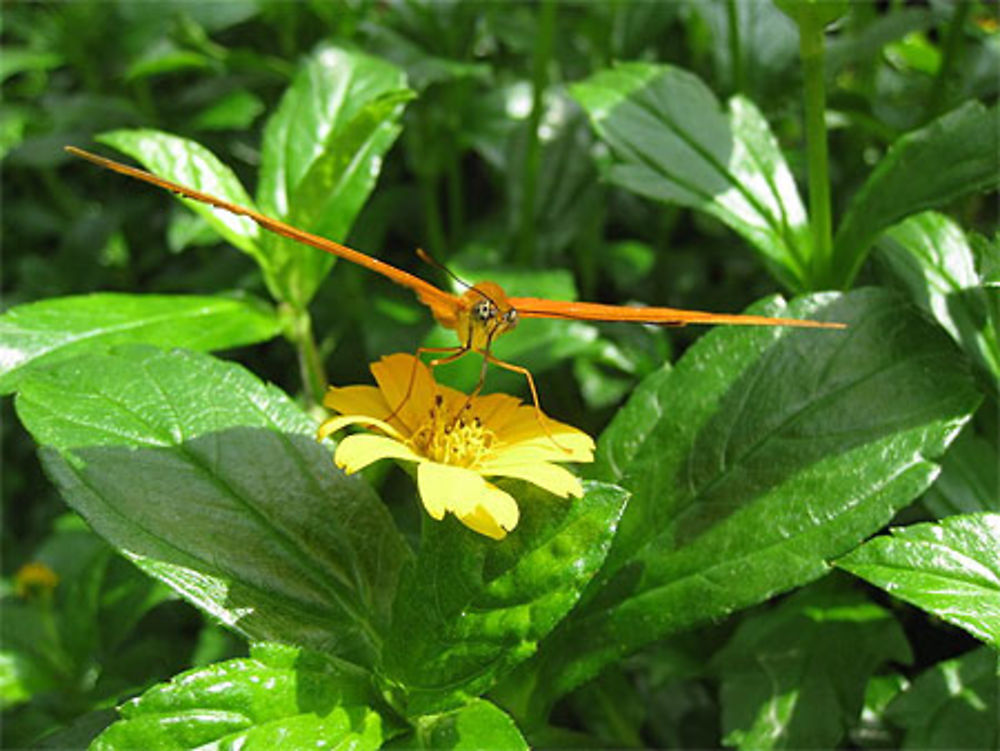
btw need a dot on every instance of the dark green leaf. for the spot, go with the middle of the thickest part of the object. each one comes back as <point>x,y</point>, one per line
<point>952,705</point>
<point>471,607</point>
<point>213,482</point>
<point>673,143</point>
<point>17,60</point>
<point>192,165</point>
<point>279,697</point>
<point>930,255</point>
<point>951,157</point>
<point>322,153</point>
<point>785,682</point>
<point>951,569</point>
<point>753,462</point>
<point>477,725</point>
<point>47,332</point>
<point>970,478</point>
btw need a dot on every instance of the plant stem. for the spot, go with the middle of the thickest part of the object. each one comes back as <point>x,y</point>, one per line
<point>811,51</point>
<point>532,155</point>
<point>310,363</point>
<point>735,53</point>
<point>949,58</point>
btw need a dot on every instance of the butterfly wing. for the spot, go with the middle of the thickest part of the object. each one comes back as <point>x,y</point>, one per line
<point>535,307</point>
<point>442,304</point>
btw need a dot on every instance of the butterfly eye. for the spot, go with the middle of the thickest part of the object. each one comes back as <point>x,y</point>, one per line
<point>510,318</point>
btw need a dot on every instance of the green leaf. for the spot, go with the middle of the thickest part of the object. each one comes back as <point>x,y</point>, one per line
<point>212,482</point>
<point>471,607</point>
<point>673,143</point>
<point>50,331</point>
<point>970,478</point>
<point>477,725</point>
<point>949,158</point>
<point>192,165</point>
<point>753,462</point>
<point>932,258</point>
<point>810,12</point>
<point>952,705</point>
<point>322,152</point>
<point>951,569</point>
<point>785,682</point>
<point>279,697</point>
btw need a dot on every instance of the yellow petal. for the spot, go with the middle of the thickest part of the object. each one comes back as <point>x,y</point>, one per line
<point>407,387</point>
<point>358,451</point>
<point>331,426</point>
<point>496,410</point>
<point>551,477</point>
<point>357,400</point>
<point>561,447</point>
<point>478,504</point>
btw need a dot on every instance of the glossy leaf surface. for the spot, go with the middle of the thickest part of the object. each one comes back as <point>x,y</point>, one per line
<point>212,482</point>
<point>46,332</point>
<point>951,569</point>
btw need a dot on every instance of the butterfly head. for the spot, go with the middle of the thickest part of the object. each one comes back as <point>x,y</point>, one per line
<point>485,315</point>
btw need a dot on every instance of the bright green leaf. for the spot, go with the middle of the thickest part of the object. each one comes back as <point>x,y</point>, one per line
<point>279,697</point>
<point>952,705</point>
<point>192,165</point>
<point>785,682</point>
<point>213,482</point>
<point>930,255</point>
<point>953,156</point>
<point>673,143</point>
<point>951,569</point>
<point>472,607</point>
<point>477,725</point>
<point>47,332</point>
<point>322,152</point>
<point>753,462</point>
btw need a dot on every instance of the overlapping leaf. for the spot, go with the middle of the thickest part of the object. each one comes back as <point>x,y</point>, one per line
<point>279,697</point>
<point>951,569</point>
<point>785,682</point>
<point>322,152</point>
<point>46,332</point>
<point>951,157</point>
<point>213,482</point>
<point>672,142</point>
<point>477,725</point>
<point>756,460</point>
<point>471,607</point>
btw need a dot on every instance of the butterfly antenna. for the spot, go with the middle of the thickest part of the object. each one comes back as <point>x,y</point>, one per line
<point>427,258</point>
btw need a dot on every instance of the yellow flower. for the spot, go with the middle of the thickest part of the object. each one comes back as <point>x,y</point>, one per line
<point>456,441</point>
<point>34,579</point>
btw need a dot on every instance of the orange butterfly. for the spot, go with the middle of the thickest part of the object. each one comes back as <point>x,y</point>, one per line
<point>483,312</point>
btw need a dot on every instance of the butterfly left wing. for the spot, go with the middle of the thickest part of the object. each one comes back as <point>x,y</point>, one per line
<point>536,307</point>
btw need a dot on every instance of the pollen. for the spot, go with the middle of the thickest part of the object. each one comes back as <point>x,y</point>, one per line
<point>452,438</point>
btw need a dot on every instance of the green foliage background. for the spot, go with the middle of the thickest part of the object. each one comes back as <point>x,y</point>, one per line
<point>716,586</point>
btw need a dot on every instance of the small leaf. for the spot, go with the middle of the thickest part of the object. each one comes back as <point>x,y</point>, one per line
<point>50,331</point>
<point>952,704</point>
<point>279,697</point>
<point>756,460</point>
<point>477,725</point>
<point>471,607</point>
<point>212,482</point>
<point>951,157</point>
<point>192,165</point>
<point>969,480</point>
<point>785,682</point>
<point>322,152</point>
<point>673,143</point>
<point>951,569</point>
<point>930,255</point>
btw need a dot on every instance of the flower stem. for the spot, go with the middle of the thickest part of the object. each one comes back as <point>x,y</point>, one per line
<point>735,53</point>
<point>811,51</point>
<point>532,155</point>
<point>310,363</point>
<point>949,58</point>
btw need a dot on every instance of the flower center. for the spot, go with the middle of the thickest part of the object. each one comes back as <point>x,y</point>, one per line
<point>446,438</point>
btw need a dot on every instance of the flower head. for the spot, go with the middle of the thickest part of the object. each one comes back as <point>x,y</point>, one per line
<point>456,441</point>
<point>34,579</point>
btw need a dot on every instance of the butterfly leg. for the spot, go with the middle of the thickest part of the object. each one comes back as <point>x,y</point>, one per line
<point>487,357</point>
